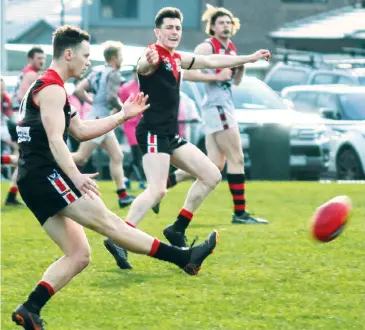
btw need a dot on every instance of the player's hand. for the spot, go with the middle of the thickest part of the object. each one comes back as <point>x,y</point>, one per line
<point>261,54</point>
<point>224,75</point>
<point>86,185</point>
<point>152,56</point>
<point>134,105</point>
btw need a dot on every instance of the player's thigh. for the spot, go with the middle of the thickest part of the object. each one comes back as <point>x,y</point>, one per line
<point>229,141</point>
<point>92,214</point>
<point>192,160</point>
<point>85,150</point>
<point>214,152</point>
<point>112,147</point>
<point>68,235</point>
<point>156,168</point>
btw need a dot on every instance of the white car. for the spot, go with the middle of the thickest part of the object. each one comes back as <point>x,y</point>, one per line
<point>257,104</point>
<point>342,108</point>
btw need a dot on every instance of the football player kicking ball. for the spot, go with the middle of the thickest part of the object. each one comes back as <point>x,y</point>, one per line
<point>64,200</point>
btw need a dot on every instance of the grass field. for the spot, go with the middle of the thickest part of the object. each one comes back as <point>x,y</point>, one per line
<point>260,277</point>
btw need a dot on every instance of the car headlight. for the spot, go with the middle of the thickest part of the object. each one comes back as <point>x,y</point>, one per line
<point>310,133</point>
<point>322,132</point>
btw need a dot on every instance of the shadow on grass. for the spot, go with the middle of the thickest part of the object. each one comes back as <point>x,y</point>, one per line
<point>128,278</point>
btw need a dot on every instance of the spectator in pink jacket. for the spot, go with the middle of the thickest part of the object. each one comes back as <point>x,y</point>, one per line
<point>129,128</point>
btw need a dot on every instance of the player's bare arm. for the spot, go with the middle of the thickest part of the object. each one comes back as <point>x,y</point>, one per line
<point>196,75</point>
<point>113,87</point>
<point>148,61</point>
<point>213,61</point>
<point>85,130</point>
<point>82,89</point>
<point>51,101</point>
<point>28,79</point>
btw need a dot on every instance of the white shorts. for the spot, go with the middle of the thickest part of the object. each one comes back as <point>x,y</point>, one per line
<point>100,139</point>
<point>218,118</point>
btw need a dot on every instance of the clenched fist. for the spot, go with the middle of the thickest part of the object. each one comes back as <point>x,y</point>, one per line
<point>261,54</point>
<point>152,56</point>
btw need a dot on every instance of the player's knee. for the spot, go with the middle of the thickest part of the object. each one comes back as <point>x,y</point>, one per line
<point>238,159</point>
<point>220,166</point>
<point>117,158</point>
<point>158,193</point>
<point>83,261</point>
<point>215,176</point>
<point>82,258</point>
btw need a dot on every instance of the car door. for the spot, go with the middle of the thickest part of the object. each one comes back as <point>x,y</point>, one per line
<point>323,78</point>
<point>304,101</point>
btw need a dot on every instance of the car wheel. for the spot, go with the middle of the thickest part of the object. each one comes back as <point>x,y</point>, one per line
<point>348,165</point>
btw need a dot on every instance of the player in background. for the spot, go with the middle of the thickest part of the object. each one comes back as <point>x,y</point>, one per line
<point>104,83</point>
<point>159,75</point>
<point>223,143</point>
<point>29,74</point>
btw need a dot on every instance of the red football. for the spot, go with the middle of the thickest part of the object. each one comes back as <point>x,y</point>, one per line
<point>330,218</point>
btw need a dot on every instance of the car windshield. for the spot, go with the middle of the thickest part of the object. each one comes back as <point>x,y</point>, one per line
<point>255,95</point>
<point>353,105</point>
<point>362,80</point>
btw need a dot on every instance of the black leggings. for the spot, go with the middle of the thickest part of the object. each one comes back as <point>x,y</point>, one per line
<point>136,164</point>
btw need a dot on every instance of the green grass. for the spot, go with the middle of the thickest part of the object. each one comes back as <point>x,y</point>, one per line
<point>260,277</point>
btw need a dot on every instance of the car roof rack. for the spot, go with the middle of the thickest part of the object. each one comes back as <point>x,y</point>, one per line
<point>350,58</point>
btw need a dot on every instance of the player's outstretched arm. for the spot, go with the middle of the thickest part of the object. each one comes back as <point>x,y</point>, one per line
<point>51,101</point>
<point>214,61</point>
<point>196,75</point>
<point>148,61</point>
<point>85,130</point>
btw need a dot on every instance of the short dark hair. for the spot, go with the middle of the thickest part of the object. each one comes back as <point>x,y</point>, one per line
<point>67,36</point>
<point>34,50</point>
<point>167,12</point>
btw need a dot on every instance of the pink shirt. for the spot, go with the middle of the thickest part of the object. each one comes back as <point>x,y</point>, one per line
<point>82,109</point>
<point>130,125</point>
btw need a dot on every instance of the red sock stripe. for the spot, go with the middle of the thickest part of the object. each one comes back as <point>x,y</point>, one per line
<point>186,214</point>
<point>154,247</point>
<point>122,194</point>
<point>13,189</point>
<point>239,197</point>
<point>48,287</point>
<point>5,159</point>
<point>237,186</point>
<point>130,224</point>
<point>240,207</point>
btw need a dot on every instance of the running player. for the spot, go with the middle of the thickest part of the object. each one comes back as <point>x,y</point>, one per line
<point>104,83</point>
<point>223,141</point>
<point>29,74</point>
<point>159,74</point>
<point>64,200</point>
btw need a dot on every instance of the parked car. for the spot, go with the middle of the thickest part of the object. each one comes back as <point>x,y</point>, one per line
<point>256,103</point>
<point>302,69</point>
<point>343,110</point>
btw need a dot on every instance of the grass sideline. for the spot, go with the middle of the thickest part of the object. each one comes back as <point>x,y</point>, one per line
<point>260,277</point>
